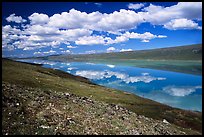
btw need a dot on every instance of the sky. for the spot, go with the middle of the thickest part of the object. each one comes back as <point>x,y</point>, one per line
<point>50,28</point>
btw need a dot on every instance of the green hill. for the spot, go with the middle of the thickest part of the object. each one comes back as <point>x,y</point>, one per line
<point>188,52</point>
<point>185,59</point>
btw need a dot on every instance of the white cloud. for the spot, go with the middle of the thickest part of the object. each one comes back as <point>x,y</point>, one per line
<point>43,53</point>
<point>67,64</point>
<point>121,38</point>
<point>180,91</point>
<point>66,51</point>
<point>79,27</point>
<point>16,19</point>
<point>161,36</point>
<point>119,21</point>
<point>29,48</point>
<point>110,49</point>
<point>111,66</point>
<point>181,24</point>
<point>41,30</point>
<point>37,36</point>
<point>95,40</point>
<point>89,63</point>
<point>9,48</point>
<point>10,30</point>
<point>74,19</point>
<point>71,68</point>
<point>36,53</point>
<point>145,79</point>
<point>145,40</point>
<point>124,20</point>
<point>74,34</point>
<point>71,47</point>
<point>135,6</point>
<point>37,18</point>
<point>91,74</point>
<point>122,50</point>
<point>145,74</point>
<point>159,15</point>
<point>46,35</point>
<point>145,37</point>
<point>50,51</point>
<point>129,79</point>
<point>43,61</point>
<point>90,40</point>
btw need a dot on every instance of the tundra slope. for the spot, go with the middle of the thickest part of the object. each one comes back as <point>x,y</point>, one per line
<point>38,100</point>
<point>51,112</point>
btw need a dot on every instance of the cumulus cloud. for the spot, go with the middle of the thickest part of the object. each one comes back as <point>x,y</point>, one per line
<point>145,37</point>
<point>90,40</point>
<point>66,51</point>
<point>71,47</point>
<point>180,91</point>
<point>44,61</point>
<point>122,50</point>
<point>74,19</point>
<point>50,52</point>
<point>10,30</point>
<point>110,49</point>
<point>159,15</point>
<point>91,74</point>
<point>9,48</point>
<point>119,21</point>
<point>145,73</point>
<point>181,24</point>
<point>95,40</point>
<point>80,27</point>
<point>37,53</point>
<point>111,66</point>
<point>37,18</point>
<point>124,77</point>
<point>135,6</point>
<point>89,63</point>
<point>74,34</point>
<point>71,68</point>
<point>145,79</point>
<point>29,48</point>
<point>16,19</point>
<point>40,30</point>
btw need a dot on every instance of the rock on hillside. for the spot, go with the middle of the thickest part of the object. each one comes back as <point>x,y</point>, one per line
<point>35,111</point>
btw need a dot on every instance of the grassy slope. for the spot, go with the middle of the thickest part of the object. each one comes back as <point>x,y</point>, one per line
<point>186,59</point>
<point>45,79</point>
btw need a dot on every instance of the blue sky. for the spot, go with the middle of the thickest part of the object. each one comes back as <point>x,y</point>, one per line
<point>47,28</point>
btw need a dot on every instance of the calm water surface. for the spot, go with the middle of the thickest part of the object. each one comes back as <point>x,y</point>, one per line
<point>175,89</point>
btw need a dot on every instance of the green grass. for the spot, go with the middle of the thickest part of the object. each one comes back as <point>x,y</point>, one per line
<point>187,52</point>
<point>45,79</point>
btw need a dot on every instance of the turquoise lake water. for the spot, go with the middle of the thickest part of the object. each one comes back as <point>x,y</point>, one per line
<point>174,89</point>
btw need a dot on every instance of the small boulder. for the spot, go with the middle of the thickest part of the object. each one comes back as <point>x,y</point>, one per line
<point>165,121</point>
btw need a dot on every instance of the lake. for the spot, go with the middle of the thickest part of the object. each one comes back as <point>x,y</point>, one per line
<point>178,90</point>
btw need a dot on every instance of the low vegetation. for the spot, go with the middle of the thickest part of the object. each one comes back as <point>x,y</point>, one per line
<point>24,85</point>
<point>185,59</point>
